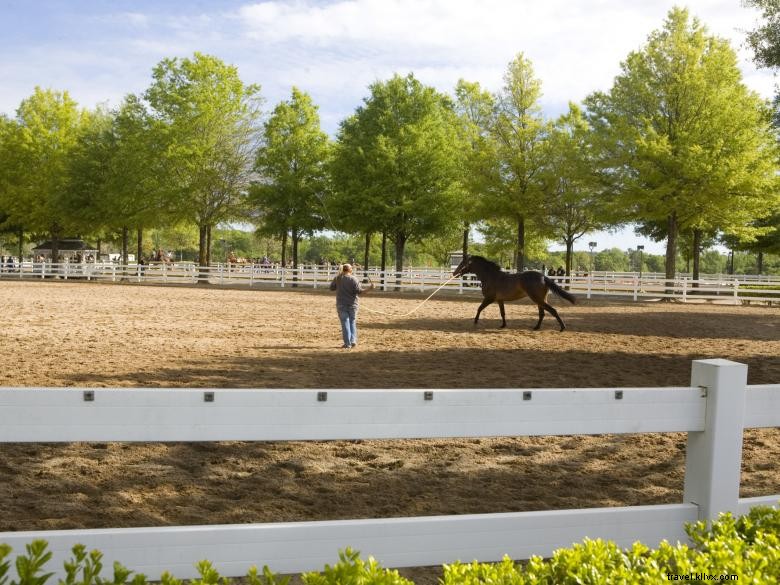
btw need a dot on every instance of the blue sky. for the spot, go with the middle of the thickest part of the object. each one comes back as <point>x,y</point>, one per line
<point>101,50</point>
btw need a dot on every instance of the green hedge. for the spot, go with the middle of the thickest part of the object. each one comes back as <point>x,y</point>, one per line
<point>745,550</point>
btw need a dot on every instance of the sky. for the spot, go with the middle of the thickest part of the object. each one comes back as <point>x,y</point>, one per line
<point>101,50</point>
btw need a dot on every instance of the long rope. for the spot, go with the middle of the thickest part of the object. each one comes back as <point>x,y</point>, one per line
<point>416,308</point>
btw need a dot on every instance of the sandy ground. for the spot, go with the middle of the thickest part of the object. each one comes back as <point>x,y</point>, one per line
<point>63,334</point>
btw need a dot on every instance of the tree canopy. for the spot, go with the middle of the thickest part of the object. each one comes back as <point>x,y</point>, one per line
<point>685,142</point>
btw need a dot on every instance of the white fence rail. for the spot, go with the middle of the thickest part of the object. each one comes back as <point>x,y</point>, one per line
<point>626,285</point>
<point>714,410</point>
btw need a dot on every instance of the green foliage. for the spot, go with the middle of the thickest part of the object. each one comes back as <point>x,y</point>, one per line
<point>292,164</point>
<point>206,118</point>
<point>30,567</point>
<point>267,577</point>
<point>352,570</point>
<point>36,151</point>
<point>765,39</point>
<point>5,565</point>
<point>397,165</point>
<point>504,573</point>
<point>520,134</point>
<point>682,141</point>
<point>748,547</point>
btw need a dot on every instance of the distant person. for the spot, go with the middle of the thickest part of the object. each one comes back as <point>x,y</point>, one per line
<point>347,288</point>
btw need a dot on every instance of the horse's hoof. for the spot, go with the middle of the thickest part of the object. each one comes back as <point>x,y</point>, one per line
<point>537,328</point>
<point>502,326</point>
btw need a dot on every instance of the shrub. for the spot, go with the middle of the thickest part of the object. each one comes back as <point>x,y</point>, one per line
<point>352,570</point>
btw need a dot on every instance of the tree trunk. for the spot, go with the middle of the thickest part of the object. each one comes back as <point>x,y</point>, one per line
<point>520,252</point>
<point>140,246</point>
<point>759,261</point>
<point>366,253</point>
<point>55,247</point>
<point>20,233</point>
<point>671,250</point>
<point>99,246</point>
<point>125,244</point>
<point>696,256</point>
<point>400,244</point>
<point>284,249</point>
<point>208,245</point>
<point>295,236</point>
<point>569,254</point>
<point>466,230</point>
<point>383,265</point>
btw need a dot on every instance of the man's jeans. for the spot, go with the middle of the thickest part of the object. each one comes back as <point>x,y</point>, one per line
<point>348,318</point>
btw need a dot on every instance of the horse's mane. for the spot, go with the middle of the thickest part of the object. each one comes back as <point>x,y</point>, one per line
<point>485,263</point>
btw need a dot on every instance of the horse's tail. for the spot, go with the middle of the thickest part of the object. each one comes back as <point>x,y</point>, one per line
<point>564,294</point>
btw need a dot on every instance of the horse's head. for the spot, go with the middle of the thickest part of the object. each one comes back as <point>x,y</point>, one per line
<point>464,267</point>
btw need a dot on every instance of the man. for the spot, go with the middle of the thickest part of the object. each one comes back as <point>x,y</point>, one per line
<point>347,289</point>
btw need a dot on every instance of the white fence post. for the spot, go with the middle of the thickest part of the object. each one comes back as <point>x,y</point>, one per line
<point>684,289</point>
<point>714,455</point>
<point>590,283</point>
<point>736,292</point>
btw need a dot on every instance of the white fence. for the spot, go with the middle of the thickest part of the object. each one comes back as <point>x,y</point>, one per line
<point>714,410</point>
<point>721,288</point>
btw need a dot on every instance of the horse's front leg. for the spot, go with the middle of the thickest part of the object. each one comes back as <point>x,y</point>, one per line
<point>503,314</point>
<point>482,305</point>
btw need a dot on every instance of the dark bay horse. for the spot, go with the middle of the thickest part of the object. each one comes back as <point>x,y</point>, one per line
<point>498,286</point>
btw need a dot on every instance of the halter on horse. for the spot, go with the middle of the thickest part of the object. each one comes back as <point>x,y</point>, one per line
<point>498,286</point>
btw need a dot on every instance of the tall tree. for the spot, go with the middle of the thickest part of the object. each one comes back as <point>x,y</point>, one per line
<point>39,146</point>
<point>401,152</point>
<point>684,141</point>
<point>520,132</point>
<point>291,164</point>
<point>117,173</point>
<point>765,39</point>
<point>475,108</point>
<point>209,120</point>
<point>572,189</point>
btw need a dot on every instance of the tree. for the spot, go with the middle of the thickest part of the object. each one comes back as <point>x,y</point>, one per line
<point>573,196</point>
<point>207,118</point>
<point>116,174</point>
<point>684,141</point>
<point>38,148</point>
<point>765,40</point>
<point>292,163</point>
<point>8,222</point>
<point>475,108</point>
<point>520,133</point>
<point>397,163</point>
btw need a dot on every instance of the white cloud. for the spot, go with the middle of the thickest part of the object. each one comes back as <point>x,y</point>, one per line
<point>576,47</point>
<point>336,49</point>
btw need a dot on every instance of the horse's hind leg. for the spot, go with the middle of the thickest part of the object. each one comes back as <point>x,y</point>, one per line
<point>554,313</point>
<point>484,304</point>
<point>541,318</point>
<point>503,314</point>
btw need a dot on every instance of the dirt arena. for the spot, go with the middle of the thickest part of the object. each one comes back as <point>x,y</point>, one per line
<point>63,334</point>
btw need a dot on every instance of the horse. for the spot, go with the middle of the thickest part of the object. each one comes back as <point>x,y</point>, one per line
<point>498,286</point>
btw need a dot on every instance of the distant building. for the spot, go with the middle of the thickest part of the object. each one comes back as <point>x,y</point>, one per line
<point>68,249</point>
